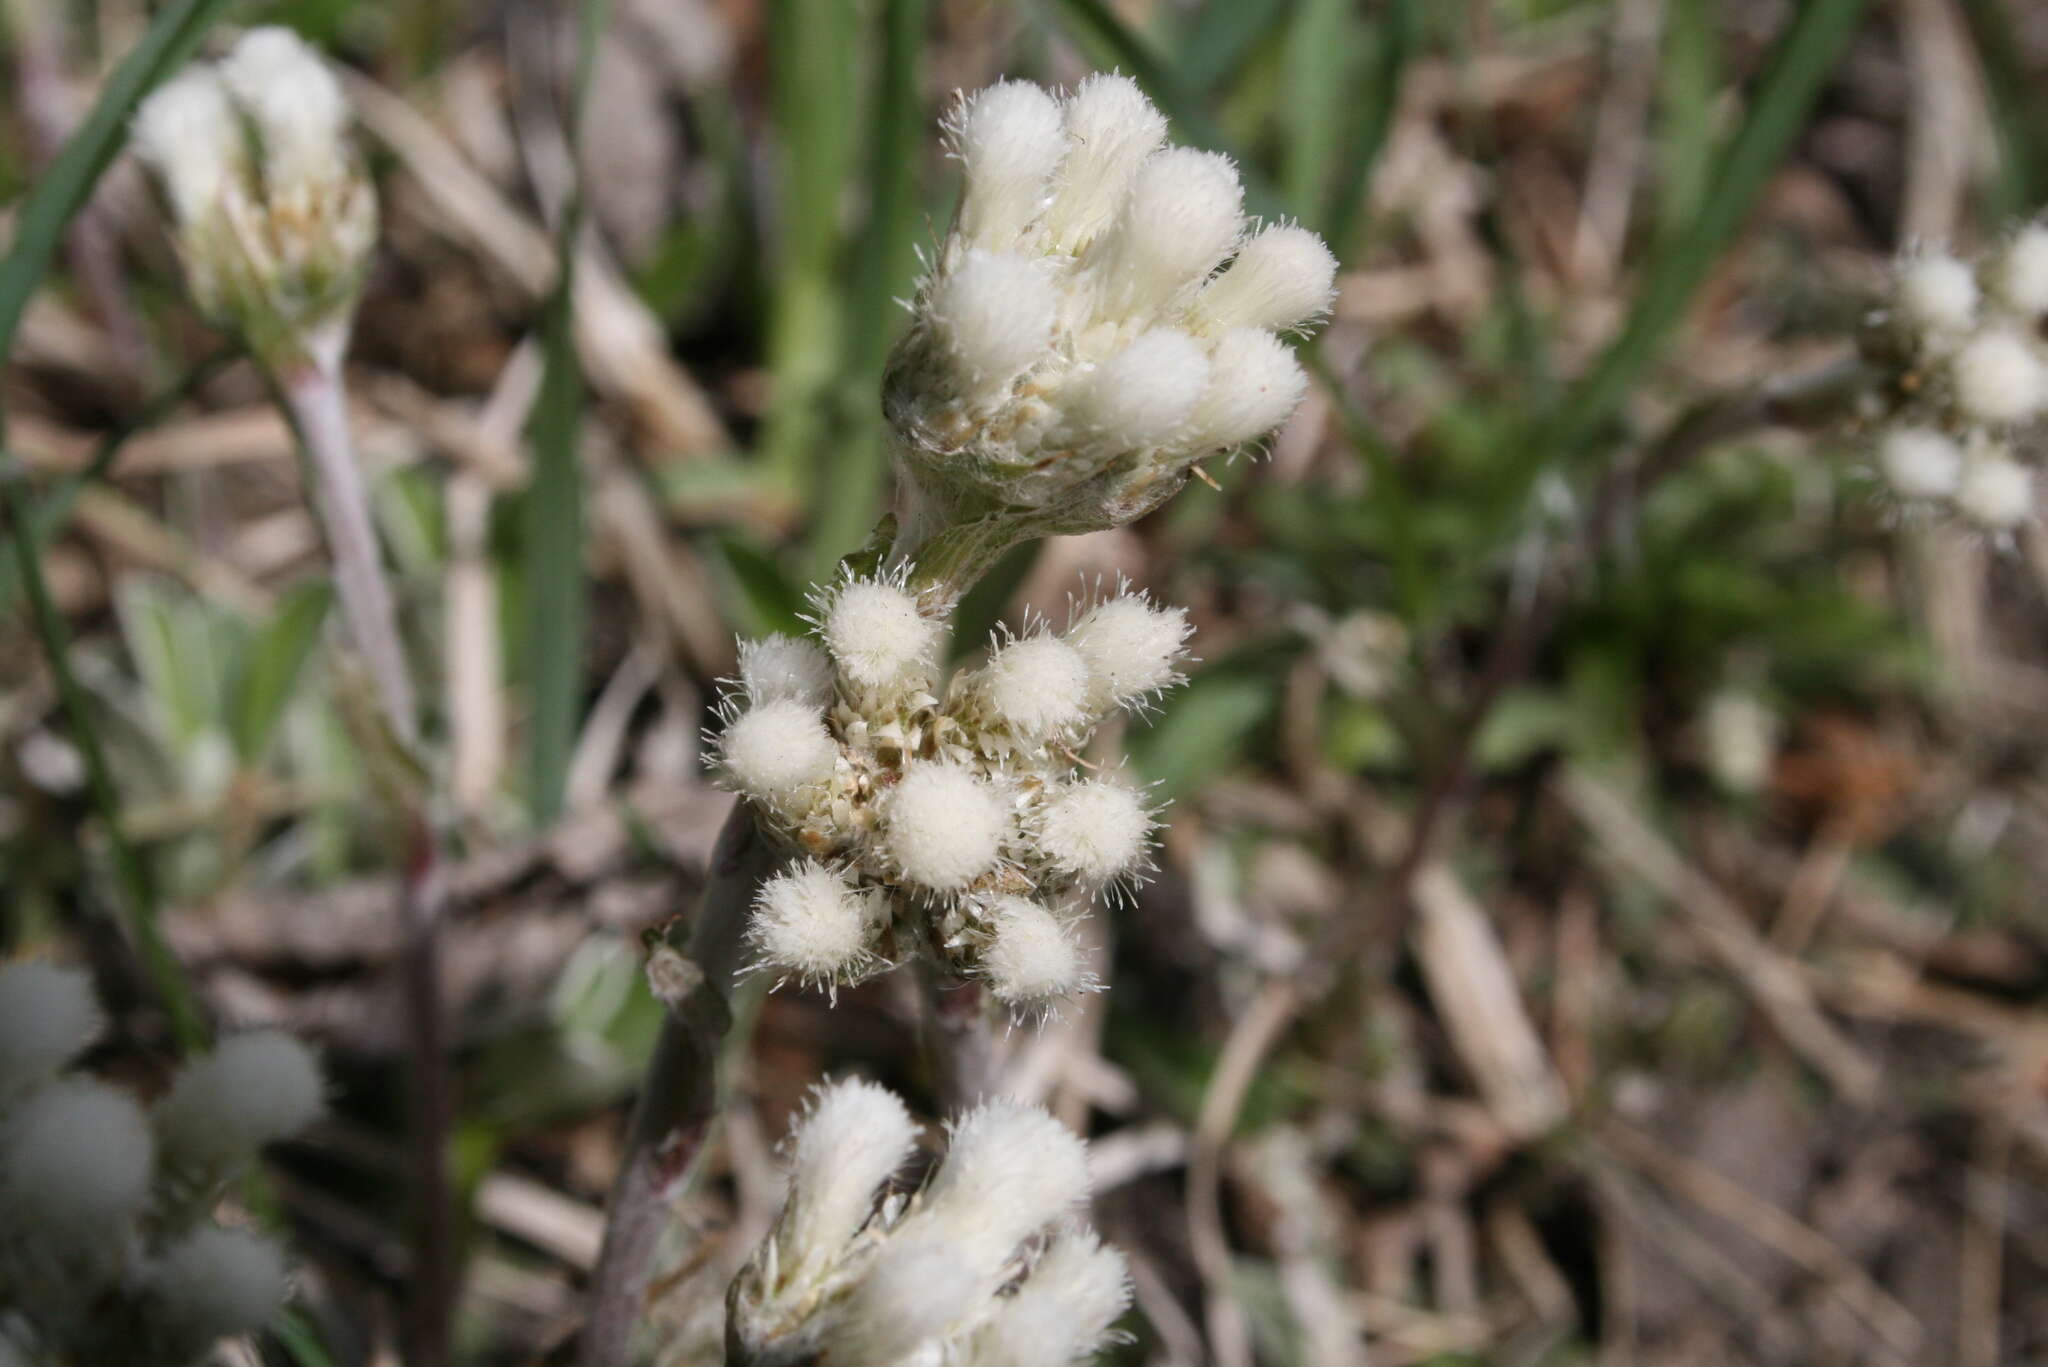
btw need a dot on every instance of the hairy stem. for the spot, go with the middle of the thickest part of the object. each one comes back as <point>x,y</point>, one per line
<point>317,402</point>
<point>680,1098</point>
<point>962,1043</point>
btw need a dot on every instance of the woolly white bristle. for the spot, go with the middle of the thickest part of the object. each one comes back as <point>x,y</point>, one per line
<point>1282,278</point>
<point>1937,296</point>
<point>851,1140</point>
<point>1145,393</point>
<point>47,1017</point>
<point>2020,273</point>
<point>1095,830</point>
<point>914,1294</point>
<point>1998,379</point>
<point>994,312</point>
<point>217,1282</point>
<point>943,826</point>
<point>295,101</point>
<point>877,634</point>
<point>1996,492</point>
<point>1111,129</point>
<point>778,667</point>
<point>1063,1311</point>
<point>1032,960</point>
<point>1182,218</point>
<point>252,1089</point>
<point>1010,138</point>
<point>1037,685</point>
<point>187,133</point>
<point>1131,647</point>
<point>773,752</point>
<point>1255,385</point>
<point>75,1160</point>
<point>1919,462</point>
<point>811,922</point>
<point>1009,1171</point>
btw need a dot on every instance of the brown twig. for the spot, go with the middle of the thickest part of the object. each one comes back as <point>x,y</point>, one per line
<point>679,1101</point>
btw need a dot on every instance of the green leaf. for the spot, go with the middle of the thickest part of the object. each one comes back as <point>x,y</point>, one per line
<point>759,596</point>
<point>270,668</point>
<point>1202,730</point>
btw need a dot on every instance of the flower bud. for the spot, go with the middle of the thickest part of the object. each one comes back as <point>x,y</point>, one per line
<point>75,1162</point>
<point>2019,274</point>
<point>877,634</point>
<point>252,1089</point>
<point>994,313</point>
<point>773,752</point>
<point>1034,687</point>
<point>1937,297</point>
<point>810,923</point>
<point>944,827</point>
<point>1031,960</point>
<point>1063,1311</point>
<point>1132,649</point>
<point>1998,379</point>
<point>1996,492</point>
<point>1111,129</point>
<point>777,668</point>
<point>188,133</point>
<point>1919,462</point>
<point>47,1017</point>
<point>852,1138</point>
<point>1255,385</point>
<point>215,1283</point>
<point>1281,279</point>
<point>1010,1171</point>
<point>1094,830</point>
<point>1010,139</point>
<point>1182,218</point>
<point>1145,393</point>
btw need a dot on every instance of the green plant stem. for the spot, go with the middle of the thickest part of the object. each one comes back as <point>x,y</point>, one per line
<point>138,888</point>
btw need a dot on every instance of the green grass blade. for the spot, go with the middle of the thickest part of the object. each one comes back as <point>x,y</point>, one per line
<point>138,889</point>
<point>1394,42</point>
<point>553,572</point>
<point>1803,59</point>
<point>1220,37</point>
<point>272,663</point>
<point>63,189</point>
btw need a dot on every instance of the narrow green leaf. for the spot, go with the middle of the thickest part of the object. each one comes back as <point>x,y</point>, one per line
<point>553,571</point>
<point>1804,57</point>
<point>271,666</point>
<point>759,596</point>
<point>1393,43</point>
<point>1221,36</point>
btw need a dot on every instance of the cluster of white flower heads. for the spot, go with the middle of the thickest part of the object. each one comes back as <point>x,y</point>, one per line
<point>1100,317</point>
<point>954,819</point>
<point>273,217</point>
<point>991,1264</point>
<point>1971,388</point>
<point>107,1254</point>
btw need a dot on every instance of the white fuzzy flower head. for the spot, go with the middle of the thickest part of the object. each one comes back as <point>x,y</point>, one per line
<point>944,826</point>
<point>1057,373</point>
<point>1937,297</point>
<point>252,1089</point>
<point>216,1283</point>
<point>1919,462</point>
<point>1145,393</point>
<point>1096,830</point>
<point>189,136</point>
<point>780,667</point>
<point>75,1162</point>
<point>47,1017</point>
<point>273,248</point>
<point>1010,1171</point>
<point>918,1293</point>
<point>852,1138</point>
<point>1998,379</point>
<point>1010,140</point>
<point>1035,686</point>
<point>1133,649</point>
<point>774,752</point>
<point>1063,1311</point>
<point>994,312</point>
<point>1257,385</point>
<point>2019,273</point>
<point>1282,278</point>
<point>810,923</point>
<point>877,634</point>
<point>1032,961</point>
<point>1996,492</point>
